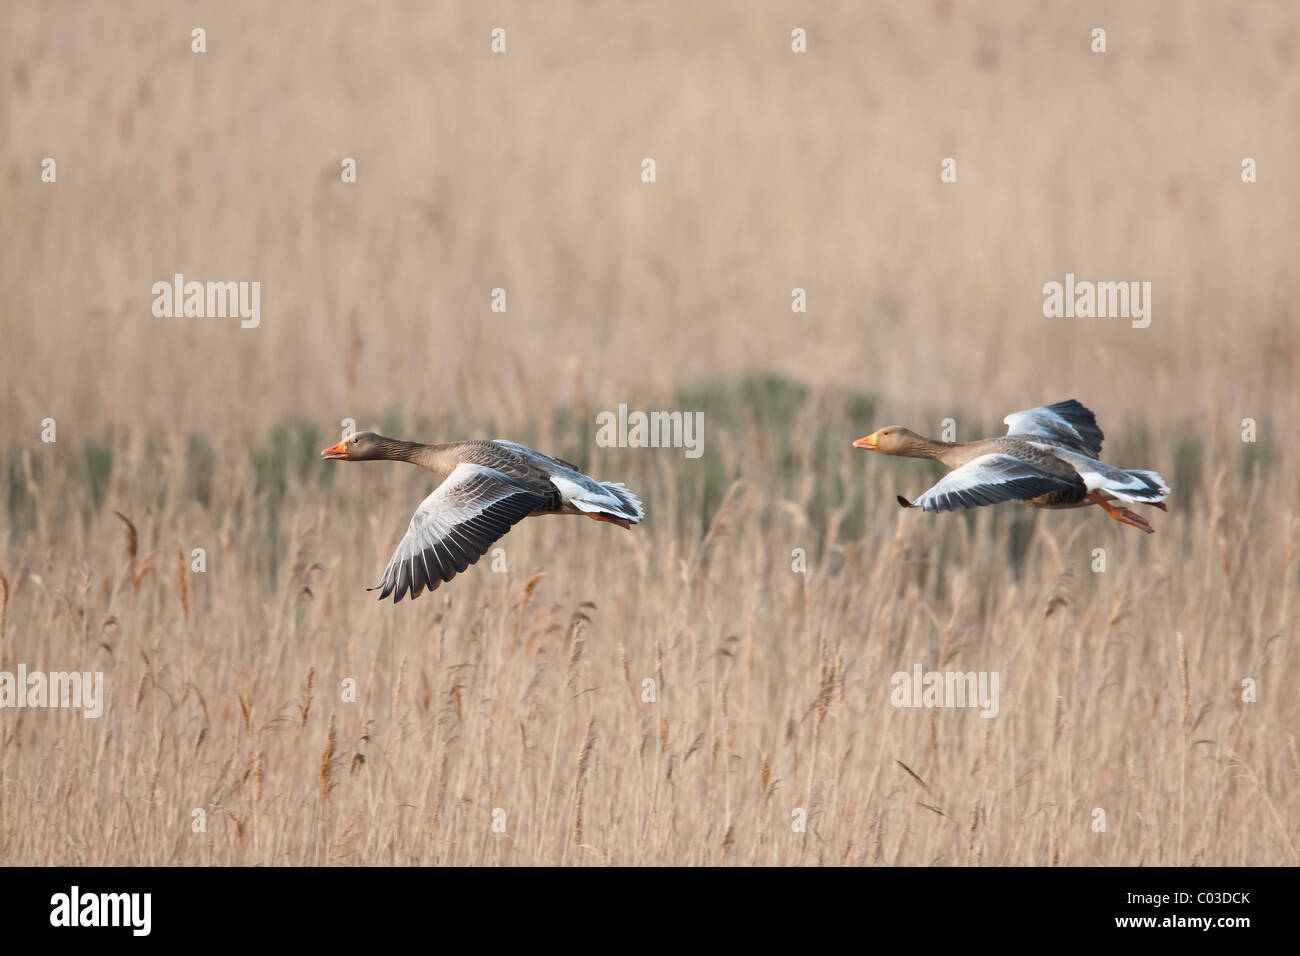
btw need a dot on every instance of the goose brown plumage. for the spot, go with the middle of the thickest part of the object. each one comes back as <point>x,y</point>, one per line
<point>1049,458</point>
<point>487,488</point>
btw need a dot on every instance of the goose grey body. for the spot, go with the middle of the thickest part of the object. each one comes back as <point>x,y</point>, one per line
<point>487,488</point>
<point>1049,458</point>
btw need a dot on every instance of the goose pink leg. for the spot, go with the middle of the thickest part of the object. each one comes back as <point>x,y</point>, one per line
<point>1121,514</point>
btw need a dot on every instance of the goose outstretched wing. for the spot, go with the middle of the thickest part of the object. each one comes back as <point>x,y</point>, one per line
<point>989,479</point>
<point>454,527</point>
<point>1065,423</point>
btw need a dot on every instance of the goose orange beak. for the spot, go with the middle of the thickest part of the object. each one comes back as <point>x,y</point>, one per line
<point>869,443</point>
<point>334,451</point>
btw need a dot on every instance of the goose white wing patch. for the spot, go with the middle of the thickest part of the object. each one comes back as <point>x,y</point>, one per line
<point>453,527</point>
<point>597,497</point>
<point>1065,423</point>
<point>988,480</point>
<point>1137,486</point>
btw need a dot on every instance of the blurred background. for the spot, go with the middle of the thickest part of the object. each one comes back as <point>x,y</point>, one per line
<point>774,171</point>
<point>521,171</point>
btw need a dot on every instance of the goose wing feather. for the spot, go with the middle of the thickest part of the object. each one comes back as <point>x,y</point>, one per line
<point>1066,423</point>
<point>454,527</point>
<point>989,479</point>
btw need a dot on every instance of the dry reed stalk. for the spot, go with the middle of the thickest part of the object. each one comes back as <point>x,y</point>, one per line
<point>327,762</point>
<point>521,608</point>
<point>182,584</point>
<point>246,710</point>
<point>1185,742</point>
<point>453,697</point>
<point>728,839</point>
<point>576,647</point>
<point>304,701</point>
<point>1283,832</point>
<point>725,521</point>
<point>584,764</point>
<point>695,745</point>
<point>131,541</point>
<point>239,826</point>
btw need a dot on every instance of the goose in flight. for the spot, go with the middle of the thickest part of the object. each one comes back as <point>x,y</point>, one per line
<point>1049,458</point>
<point>487,487</point>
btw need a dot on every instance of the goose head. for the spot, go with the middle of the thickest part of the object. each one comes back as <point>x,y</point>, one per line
<point>363,446</point>
<point>894,440</point>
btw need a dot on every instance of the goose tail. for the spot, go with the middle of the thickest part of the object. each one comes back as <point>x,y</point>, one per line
<point>1141,487</point>
<point>610,501</point>
<point>629,506</point>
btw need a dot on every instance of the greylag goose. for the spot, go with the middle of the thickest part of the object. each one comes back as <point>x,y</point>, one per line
<point>487,487</point>
<point>1048,459</point>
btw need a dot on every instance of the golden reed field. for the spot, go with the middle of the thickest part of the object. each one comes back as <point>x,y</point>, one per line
<point>713,686</point>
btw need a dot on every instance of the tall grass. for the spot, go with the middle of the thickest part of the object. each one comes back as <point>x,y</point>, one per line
<point>522,692</point>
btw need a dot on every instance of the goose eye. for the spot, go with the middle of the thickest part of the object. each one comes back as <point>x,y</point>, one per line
<point>355,439</point>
